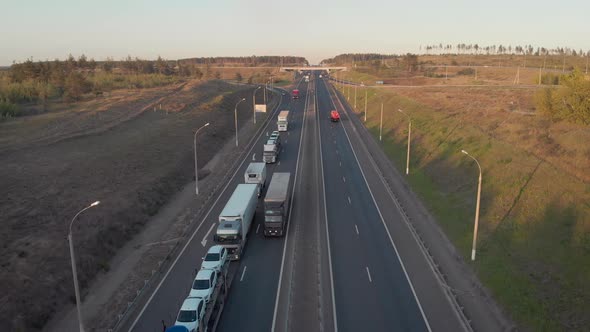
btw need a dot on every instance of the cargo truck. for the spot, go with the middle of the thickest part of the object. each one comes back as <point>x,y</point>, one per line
<point>256,174</point>
<point>276,204</point>
<point>236,218</point>
<point>282,121</point>
<point>272,148</point>
<point>295,94</point>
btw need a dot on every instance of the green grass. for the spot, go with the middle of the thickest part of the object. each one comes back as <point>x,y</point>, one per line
<point>534,243</point>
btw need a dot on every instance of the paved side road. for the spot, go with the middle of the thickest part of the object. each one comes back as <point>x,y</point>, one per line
<point>451,295</point>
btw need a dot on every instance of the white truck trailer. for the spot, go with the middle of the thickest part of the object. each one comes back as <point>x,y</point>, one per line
<point>283,120</point>
<point>256,174</point>
<point>276,204</point>
<point>236,218</point>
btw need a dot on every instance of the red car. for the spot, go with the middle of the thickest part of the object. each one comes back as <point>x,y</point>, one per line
<point>334,116</point>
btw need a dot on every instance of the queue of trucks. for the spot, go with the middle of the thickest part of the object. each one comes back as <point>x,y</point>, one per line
<point>202,308</point>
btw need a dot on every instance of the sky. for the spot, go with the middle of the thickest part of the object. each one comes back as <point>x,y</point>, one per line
<point>316,30</point>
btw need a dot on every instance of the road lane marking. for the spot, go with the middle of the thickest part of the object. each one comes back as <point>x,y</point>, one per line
<point>343,179</point>
<point>274,317</point>
<point>204,241</point>
<point>279,163</point>
<point>286,140</point>
<point>349,202</point>
<point>243,273</point>
<point>326,225</point>
<point>357,229</point>
<point>153,294</point>
<point>340,163</point>
<point>368,274</point>
<point>257,228</point>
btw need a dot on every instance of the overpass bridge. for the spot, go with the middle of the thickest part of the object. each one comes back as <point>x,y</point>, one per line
<point>313,68</point>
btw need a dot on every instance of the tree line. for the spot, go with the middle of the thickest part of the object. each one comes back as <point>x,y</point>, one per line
<point>463,48</point>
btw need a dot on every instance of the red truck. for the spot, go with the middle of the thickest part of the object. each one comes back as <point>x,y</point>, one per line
<point>334,116</point>
<point>295,94</point>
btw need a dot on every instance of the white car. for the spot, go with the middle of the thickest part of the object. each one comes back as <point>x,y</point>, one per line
<point>215,259</point>
<point>204,284</point>
<point>191,313</point>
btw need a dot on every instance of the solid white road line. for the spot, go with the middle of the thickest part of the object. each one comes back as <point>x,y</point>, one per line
<point>254,139</point>
<point>204,241</point>
<point>381,216</point>
<point>257,228</point>
<point>369,274</point>
<point>243,273</point>
<point>326,223</point>
<point>357,229</point>
<point>274,316</point>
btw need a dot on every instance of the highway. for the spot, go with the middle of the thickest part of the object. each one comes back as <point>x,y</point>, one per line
<point>255,280</point>
<point>347,262</point>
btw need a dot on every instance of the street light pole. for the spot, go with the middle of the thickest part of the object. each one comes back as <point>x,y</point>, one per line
<point>476,207</point>
<point>366,94</point>
<point>196,168</point>
<point>381,125</point>
<point>74,272</point>
<point>236,118</point>
<point>355,97</point>
<point>254,104</point>
<point>409,137</point>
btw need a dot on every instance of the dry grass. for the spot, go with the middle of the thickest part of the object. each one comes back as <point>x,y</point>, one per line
<point>534,231</point>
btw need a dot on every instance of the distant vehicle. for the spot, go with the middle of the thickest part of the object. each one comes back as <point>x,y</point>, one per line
<point>272,148</point>
<point>379,82</point>
<point>295,94</point>
<point>306,78</point>
<point>334,116</point>
<point>215,259</point>
<point>270,154</point>
<point>256,173</point>
<point>320,75</point>
<point>235,219</point>
<point>276,204</point>
<point>204,284</point>
<point>191,314</point>
<point>283,120</point>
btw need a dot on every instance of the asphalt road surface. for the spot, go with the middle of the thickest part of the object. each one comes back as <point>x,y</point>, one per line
<point>347,261</point>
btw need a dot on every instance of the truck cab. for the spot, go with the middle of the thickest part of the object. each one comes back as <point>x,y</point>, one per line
<point>295,94</point>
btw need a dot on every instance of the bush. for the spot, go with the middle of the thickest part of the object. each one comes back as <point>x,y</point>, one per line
<point>550,79</point>
<point>8,109</point>
<point>569,102</point>
<point>466,72</point>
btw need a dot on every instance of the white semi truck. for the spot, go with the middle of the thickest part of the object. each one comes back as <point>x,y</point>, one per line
<point>276,204</point>
<point>236,218</point>
<point>283,120</point>
<point>256,174</point>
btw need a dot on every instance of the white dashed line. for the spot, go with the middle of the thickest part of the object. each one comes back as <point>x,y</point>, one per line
<point>349,202</point>
<point>204,241</point>
<point>343,179</point>
<point>357,229</point>
<point>257,228</point>
<point>366,267</point>
<point>340,163</point>
<point>244,272</point>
